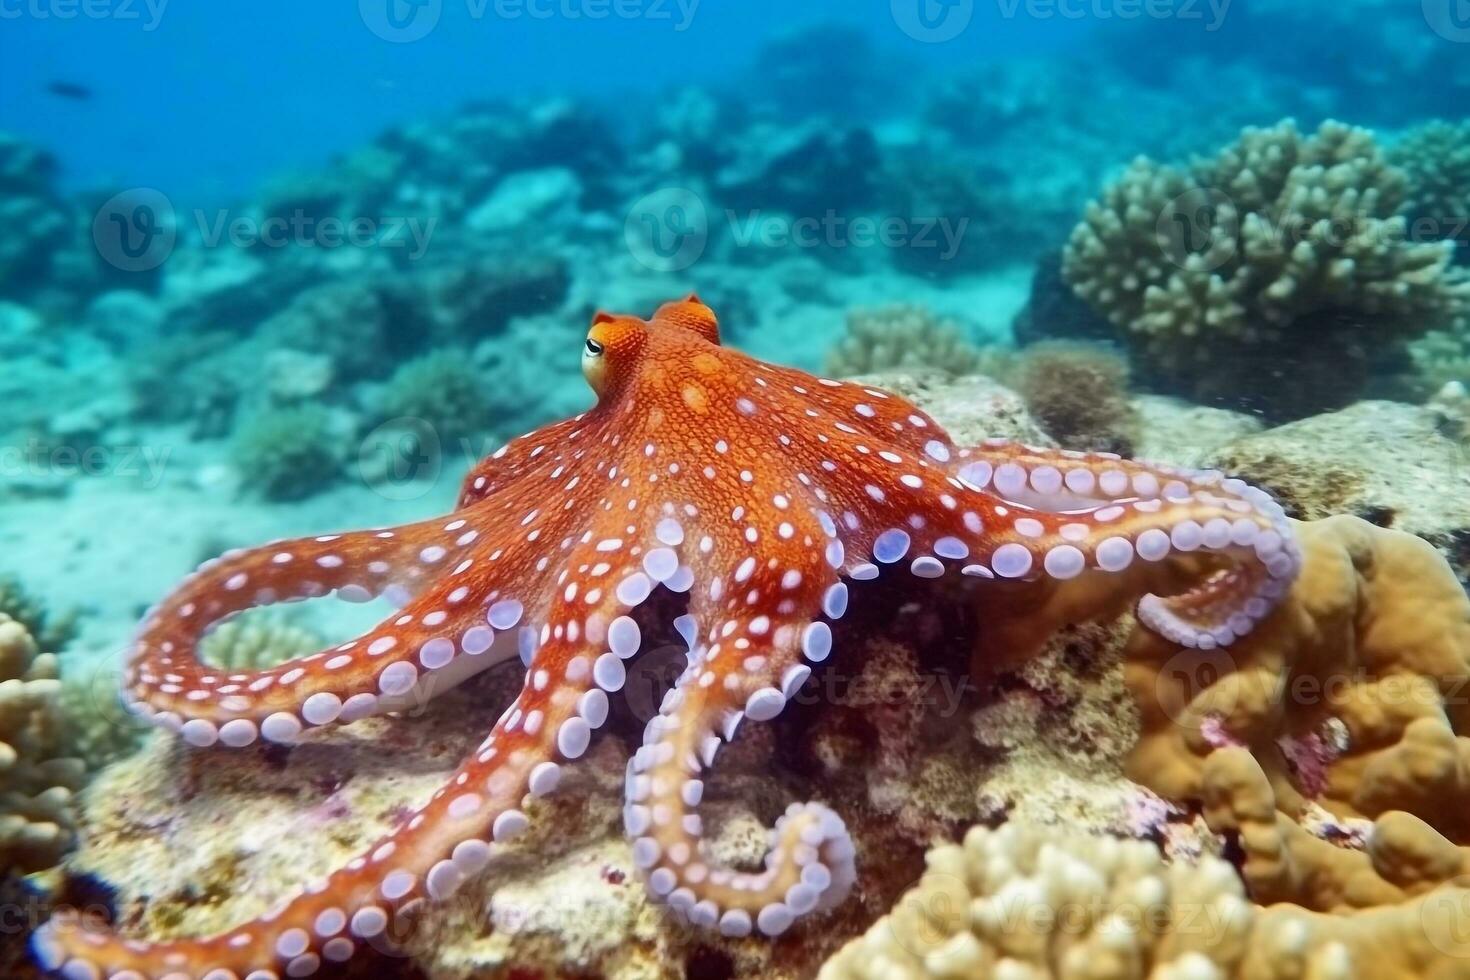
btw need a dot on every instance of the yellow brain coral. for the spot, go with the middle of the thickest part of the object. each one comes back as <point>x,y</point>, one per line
<point>1353,694</point>
<point>1026,904</point>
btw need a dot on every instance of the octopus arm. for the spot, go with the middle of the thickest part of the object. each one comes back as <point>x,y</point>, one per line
<point>744,667</point>
<point>1059,514</point>
<point>445,634</point>
<point>427,857</point>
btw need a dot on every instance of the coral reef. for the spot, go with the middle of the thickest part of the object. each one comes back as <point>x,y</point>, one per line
<point>1366,658</point>
<point>96,729</point>
<point>1079,394</point>
<point>804,170</point>
<point>1442,357</point>
<point>37,782</point>
<point>33,256</point>
<point>441,388</point>
<point>900,336</point>
<point>542,566</point>
<point>1284,274</point>
<point>50,631</point>
<point>1228,278</point>
<point>1436,159</point>
<point>99,731</point>
<point>257,642</point>
<point>287,453</point>
<point>1025,903</point>
<point>1185,433</point>
<point>353,323</point>
<point>1039,739</point>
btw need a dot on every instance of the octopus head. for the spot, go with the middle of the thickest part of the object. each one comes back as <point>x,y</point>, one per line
<point>617,344</point>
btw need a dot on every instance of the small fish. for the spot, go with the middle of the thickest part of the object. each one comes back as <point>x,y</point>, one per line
<point>69,90</point>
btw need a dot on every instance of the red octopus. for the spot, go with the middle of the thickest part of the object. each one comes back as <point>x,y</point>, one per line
<point>757,492</point>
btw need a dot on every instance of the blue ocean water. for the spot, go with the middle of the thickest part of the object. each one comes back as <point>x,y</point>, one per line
<point>220,212</point>
<point>215,97</point>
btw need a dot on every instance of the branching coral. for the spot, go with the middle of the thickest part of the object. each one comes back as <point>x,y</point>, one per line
<point>51,632</point>
<point>1079,394</point>
<point>97,729</point>
<point>1442,357</point>
<point>287,453</point>
<point>1233,276</point>
<point>1436,158</point>
<point>900,336</point>
<point>442,389</point>
<point>37,782</point>
<point>257,642</point>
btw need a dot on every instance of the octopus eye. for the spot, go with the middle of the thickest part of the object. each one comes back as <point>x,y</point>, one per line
<point>594,349</point>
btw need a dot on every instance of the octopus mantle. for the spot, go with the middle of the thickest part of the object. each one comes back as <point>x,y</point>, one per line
<point>755,492</point>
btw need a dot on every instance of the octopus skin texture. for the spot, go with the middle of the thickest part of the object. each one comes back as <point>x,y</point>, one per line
<point>755,494</point>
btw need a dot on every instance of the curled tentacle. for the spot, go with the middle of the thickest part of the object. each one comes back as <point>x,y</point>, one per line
<point>1138,511</point>
<point>745,666</point>
<point>445,634</point>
